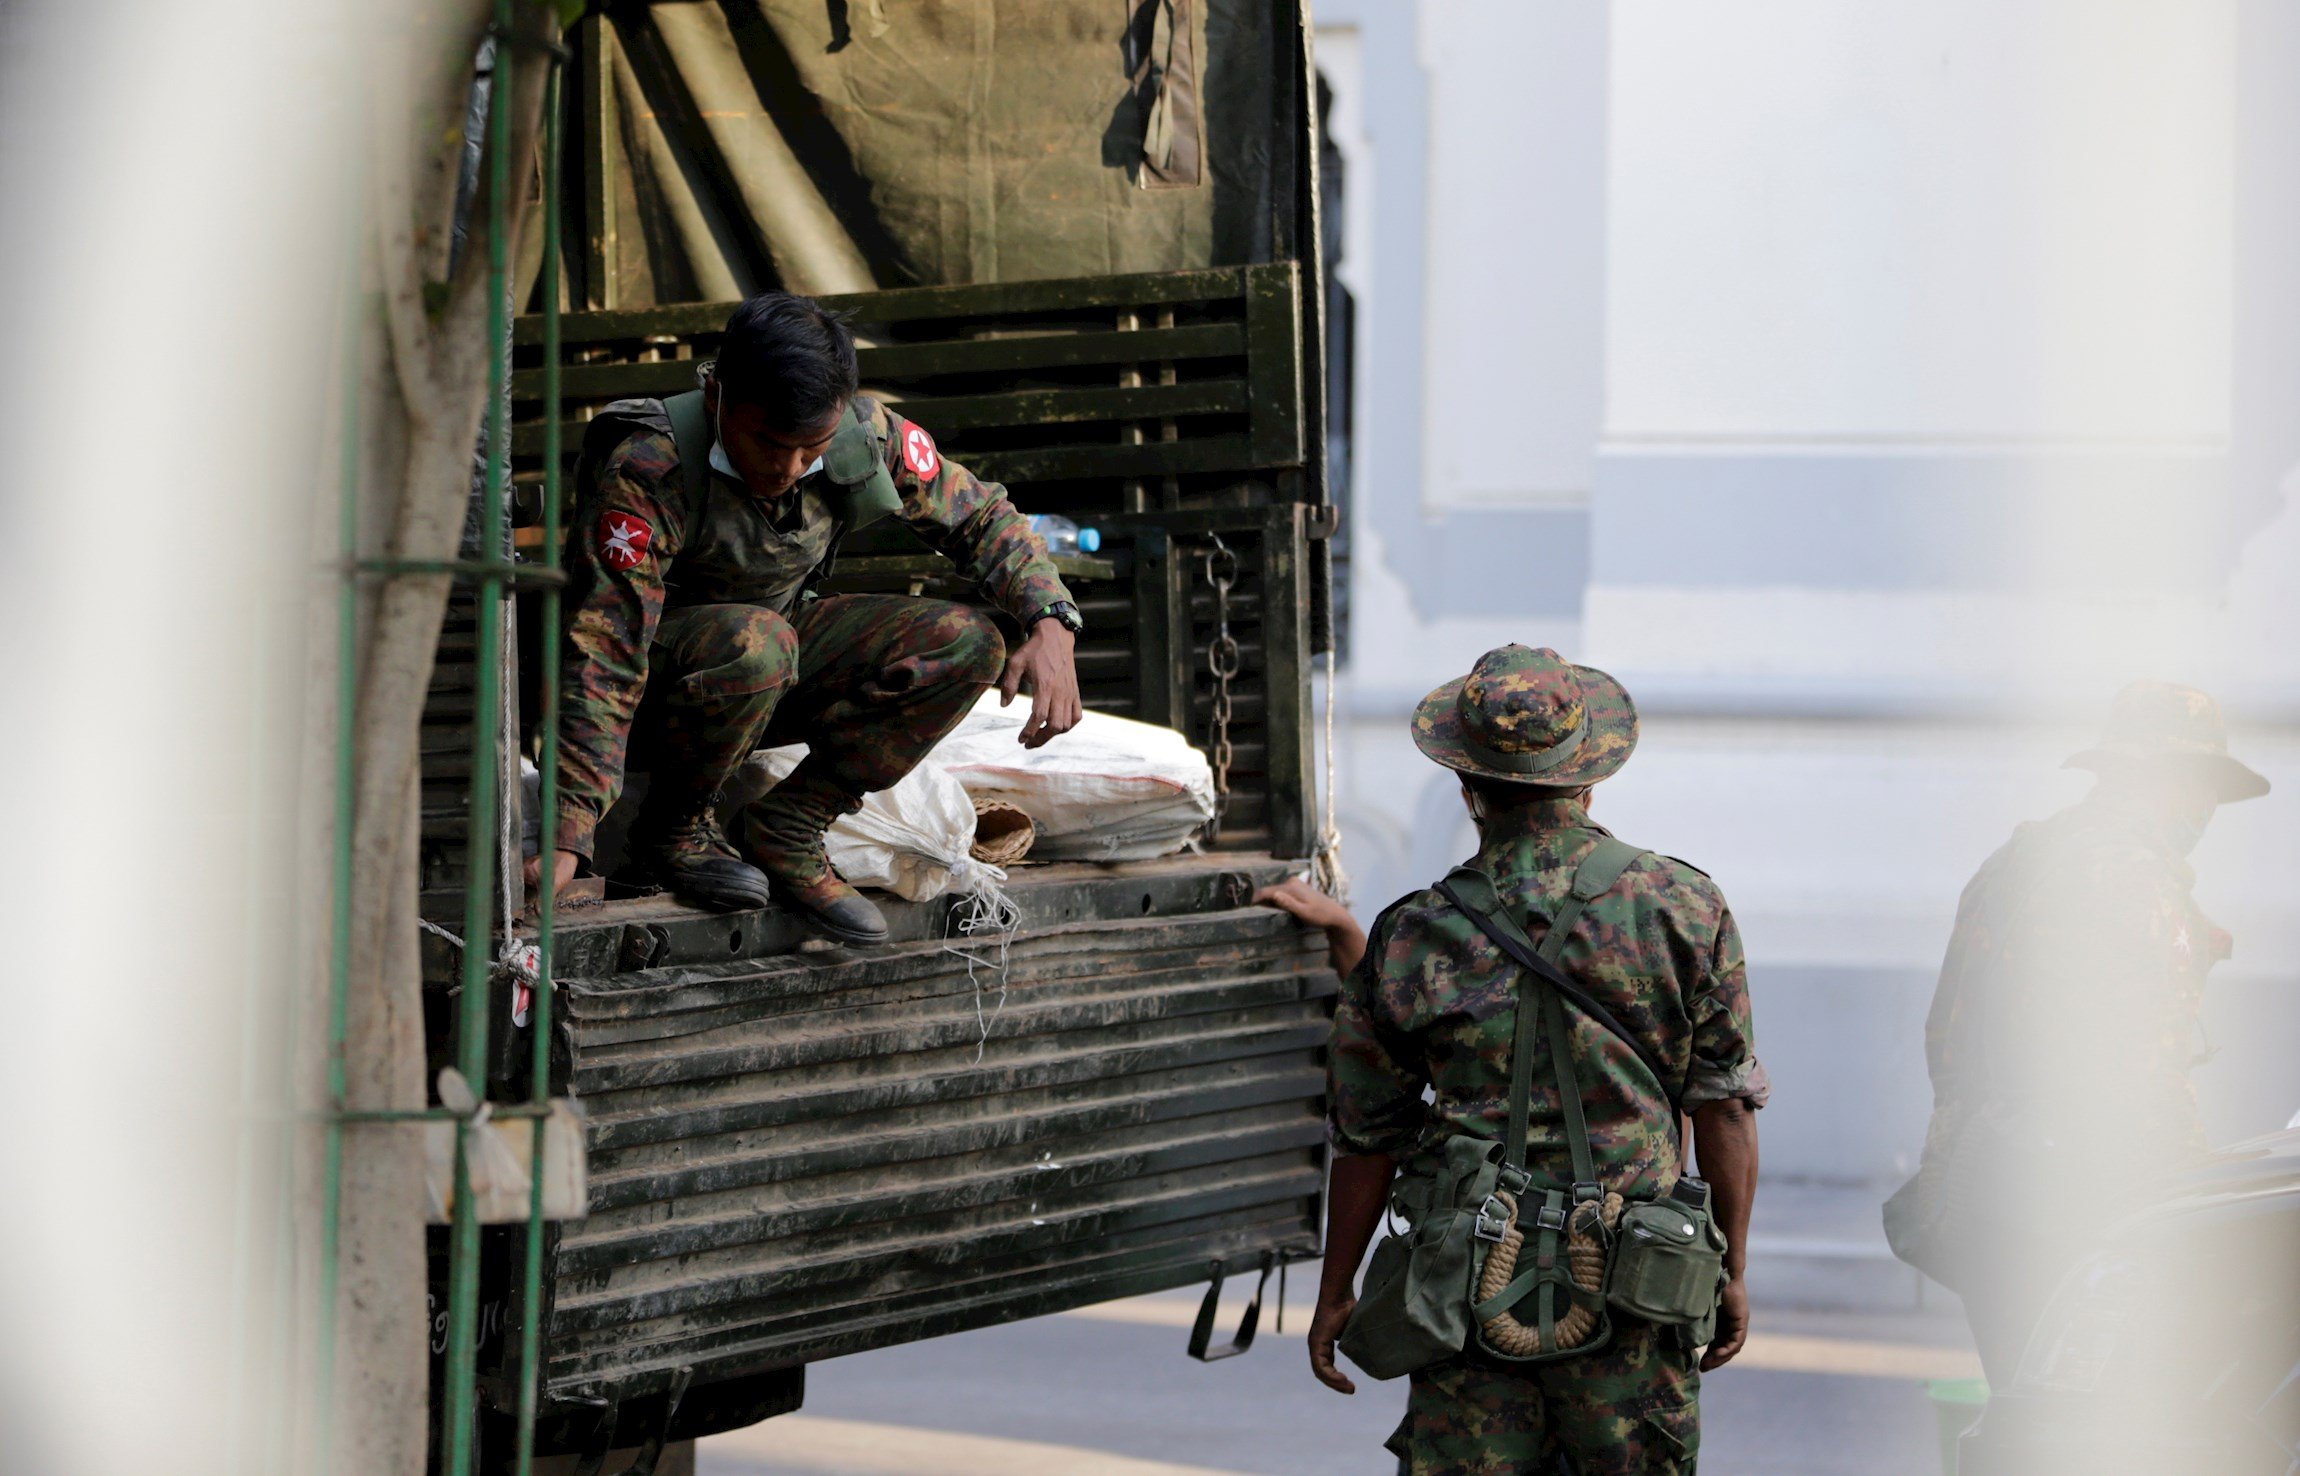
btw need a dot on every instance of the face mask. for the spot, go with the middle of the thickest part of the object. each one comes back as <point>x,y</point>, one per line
<point>719,461</point>
<point>726,468</point>
<point>2181,832</point>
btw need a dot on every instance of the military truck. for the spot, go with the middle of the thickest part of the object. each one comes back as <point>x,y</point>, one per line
<point>1078,241</point>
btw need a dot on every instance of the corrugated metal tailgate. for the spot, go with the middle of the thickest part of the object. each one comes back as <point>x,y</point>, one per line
<point>805,1155</point>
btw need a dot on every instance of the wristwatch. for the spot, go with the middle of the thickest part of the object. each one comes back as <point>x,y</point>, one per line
<point>1065,612</point>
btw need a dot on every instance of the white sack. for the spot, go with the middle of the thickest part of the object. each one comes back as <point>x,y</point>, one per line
<point>912,840</point>
<point>1110,789</point>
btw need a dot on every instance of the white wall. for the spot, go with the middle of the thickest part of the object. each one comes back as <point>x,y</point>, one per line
<point>1915,388</point>
<point>1515,334</point>
<point>1955,220</point>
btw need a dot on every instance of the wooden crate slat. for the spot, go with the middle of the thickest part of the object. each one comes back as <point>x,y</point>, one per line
<point>1078,463</point>
<point>1052,351</point>
<point>947,415</point>
<point>914,360</point>
<point>912,304</point>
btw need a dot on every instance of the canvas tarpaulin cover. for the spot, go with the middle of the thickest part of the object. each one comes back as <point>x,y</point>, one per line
<point>845,145</point>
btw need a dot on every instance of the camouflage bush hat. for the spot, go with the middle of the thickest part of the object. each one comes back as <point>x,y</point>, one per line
<point>1529,717</point>
<point>2164,723</point>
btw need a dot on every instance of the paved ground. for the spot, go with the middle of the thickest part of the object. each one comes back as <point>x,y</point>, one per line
<point>1109,1393</point>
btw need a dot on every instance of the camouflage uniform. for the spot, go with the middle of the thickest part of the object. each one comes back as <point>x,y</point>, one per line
<point>2064,1027</point>
<point>1433,1005</point>
<point>701,612</point>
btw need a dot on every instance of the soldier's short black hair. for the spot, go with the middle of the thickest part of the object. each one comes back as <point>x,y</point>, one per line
<point>1504,794</point>
<point>789,356</point>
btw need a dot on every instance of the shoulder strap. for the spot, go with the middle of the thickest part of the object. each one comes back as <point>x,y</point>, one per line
<point>856,462</point>
<point>1472,892</point>
<point>691,436</point>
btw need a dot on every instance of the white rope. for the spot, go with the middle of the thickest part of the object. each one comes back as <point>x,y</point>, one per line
<point>984,909</point>
<point>1326,871</point>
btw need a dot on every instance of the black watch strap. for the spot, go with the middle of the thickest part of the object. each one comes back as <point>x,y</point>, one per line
<point>1065,612</point>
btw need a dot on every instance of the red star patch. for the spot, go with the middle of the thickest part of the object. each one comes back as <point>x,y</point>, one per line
<point>623,540</point>
<point>918,453</point>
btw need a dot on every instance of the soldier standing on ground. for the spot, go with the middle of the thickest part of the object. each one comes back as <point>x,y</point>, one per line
<point>2066,1020</point>
<point>695,633</point>
<point>1431,1003</point>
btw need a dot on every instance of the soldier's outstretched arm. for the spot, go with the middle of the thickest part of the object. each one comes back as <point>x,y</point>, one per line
<point>1725,1148</point>
<point>1354,1198</point>
<point>980,530</point>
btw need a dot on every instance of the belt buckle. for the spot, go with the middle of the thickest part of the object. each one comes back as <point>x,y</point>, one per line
<point>1492,1220</point>
<point>1550,1217</point>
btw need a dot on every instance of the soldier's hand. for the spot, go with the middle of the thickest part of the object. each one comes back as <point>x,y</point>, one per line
<point>563,864</point>
<point>1325,1329</point>
<point>1732,1326</point>
<point>1045,668</point>
<point>1345,940</point>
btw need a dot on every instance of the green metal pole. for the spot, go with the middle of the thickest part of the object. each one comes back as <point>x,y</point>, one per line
<point>339,923</point>
<point>546,845</point>
<point>457,1436</point>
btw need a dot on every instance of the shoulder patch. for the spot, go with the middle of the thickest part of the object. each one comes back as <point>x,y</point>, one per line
<point>919,453</point>
<point>623,540</point>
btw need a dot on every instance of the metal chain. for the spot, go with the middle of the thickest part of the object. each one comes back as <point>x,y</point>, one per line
<point>1223,661</point>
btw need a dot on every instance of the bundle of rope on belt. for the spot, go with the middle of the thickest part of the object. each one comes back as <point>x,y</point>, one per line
<point>1587,1234</point>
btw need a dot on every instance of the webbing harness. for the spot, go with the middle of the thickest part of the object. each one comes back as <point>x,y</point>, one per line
<point>1542,992</point>
<point>866,491</point>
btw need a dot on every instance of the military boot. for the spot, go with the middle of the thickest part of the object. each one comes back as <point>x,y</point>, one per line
<point>679,846</point>
<point>782,834</point>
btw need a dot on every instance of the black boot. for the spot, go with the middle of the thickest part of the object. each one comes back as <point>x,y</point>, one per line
<point>680,847</point>
<point>783,834</point>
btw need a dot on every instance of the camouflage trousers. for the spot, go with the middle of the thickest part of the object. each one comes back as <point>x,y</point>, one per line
<point>868,682</point>
<point>1632,1407</point>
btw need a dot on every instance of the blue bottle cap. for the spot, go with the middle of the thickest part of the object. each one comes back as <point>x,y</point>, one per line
<point>1089,540</point>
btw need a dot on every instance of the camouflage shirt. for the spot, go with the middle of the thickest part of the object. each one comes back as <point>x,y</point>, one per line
<point>1434,1003</point>
<point>635,546</point>
<point>2066,1019</point>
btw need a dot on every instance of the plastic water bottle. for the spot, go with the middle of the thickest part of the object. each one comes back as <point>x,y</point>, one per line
<point>1065,537</point>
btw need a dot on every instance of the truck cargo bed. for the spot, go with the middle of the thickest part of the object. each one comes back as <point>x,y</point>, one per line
<point>801,1150</point>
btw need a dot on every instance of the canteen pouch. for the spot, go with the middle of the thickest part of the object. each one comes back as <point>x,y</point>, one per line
<point>1668,1265</point>
<point>1414,1310</point>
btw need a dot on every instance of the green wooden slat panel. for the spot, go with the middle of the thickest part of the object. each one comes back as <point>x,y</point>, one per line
<point>679,320</point>
<point>913,360</point>
<point>527,440</point>
<point>610,381</point>
<point>912,304</point>
<point>1061,294</point>
<point>949,414</point>
<point>1274,375</point>
<point>1078,463</point>
<point>1052,351</point>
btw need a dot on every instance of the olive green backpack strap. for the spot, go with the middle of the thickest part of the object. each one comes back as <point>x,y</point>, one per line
<point>855,462</point>
<point>691,439</point>
<point>1472,892</point>
<point>1541,1012</point>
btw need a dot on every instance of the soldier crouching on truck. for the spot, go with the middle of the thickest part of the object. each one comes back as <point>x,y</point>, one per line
<point>696,635</point>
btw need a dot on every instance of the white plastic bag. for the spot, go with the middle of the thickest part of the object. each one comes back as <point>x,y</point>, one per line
<point>911,840</point>
<point>1110,789</point>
